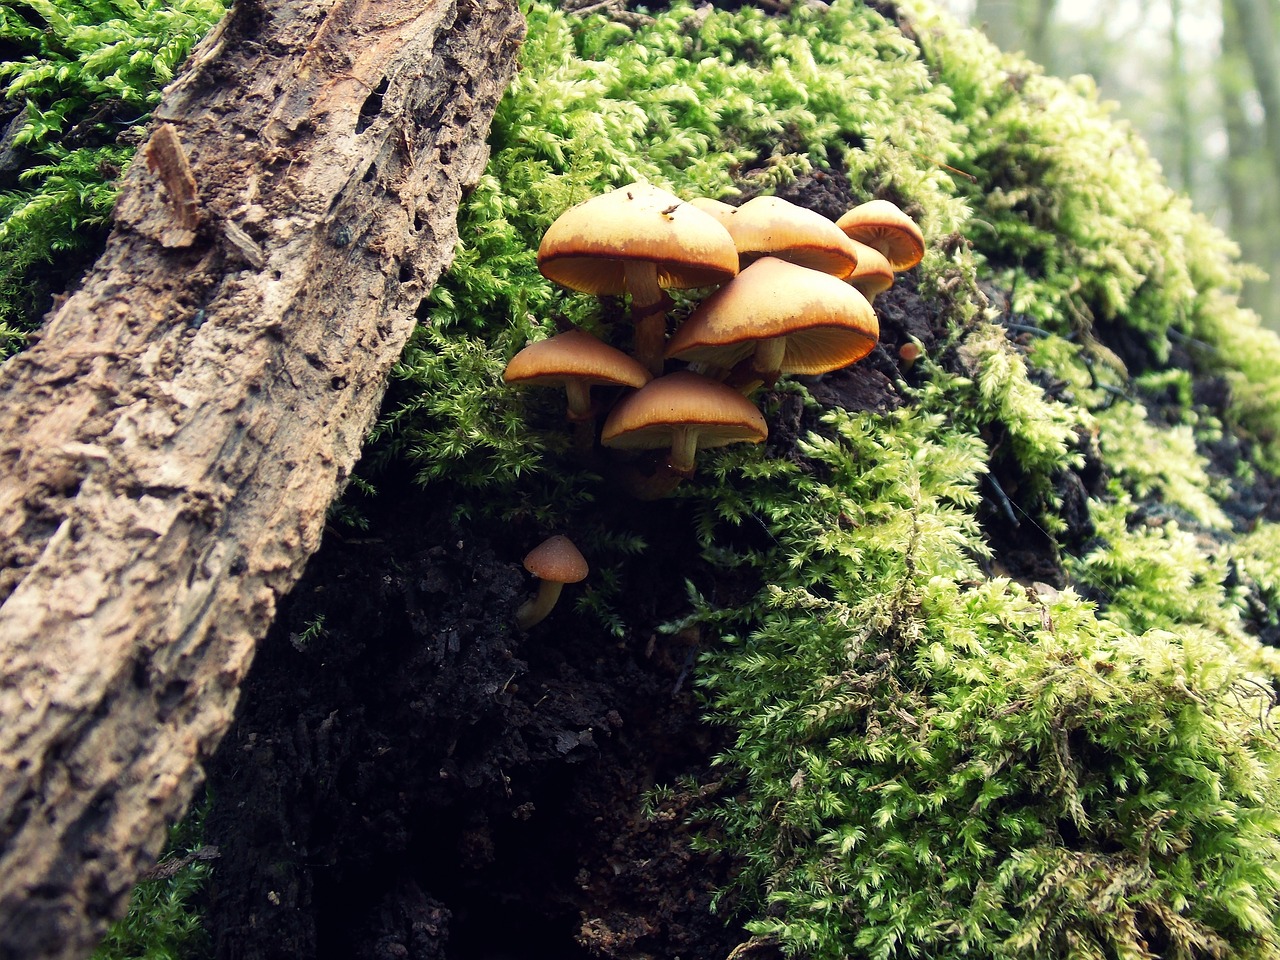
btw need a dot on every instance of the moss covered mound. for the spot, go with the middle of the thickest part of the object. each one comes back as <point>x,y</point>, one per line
<point>938,747</point>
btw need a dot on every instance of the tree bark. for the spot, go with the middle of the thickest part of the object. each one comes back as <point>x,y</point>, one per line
<point>171,444</point>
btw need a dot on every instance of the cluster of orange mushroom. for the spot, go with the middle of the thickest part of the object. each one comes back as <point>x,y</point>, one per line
<point>795,292</point>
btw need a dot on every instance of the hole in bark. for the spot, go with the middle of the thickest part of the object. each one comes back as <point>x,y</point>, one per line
<point>371,107</point>
<point>173,693</point>
<point>406,272</point>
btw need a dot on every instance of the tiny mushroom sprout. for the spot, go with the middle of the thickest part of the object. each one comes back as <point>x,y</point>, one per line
<point>873,274</point>
<point>781,317</point>
<point>909,353</point>
<point>555,562</point>
<point>880,224</point>
<point>576,361</point>
<point>640,240</point>
<point>771,226</point>
<point>683,412</point>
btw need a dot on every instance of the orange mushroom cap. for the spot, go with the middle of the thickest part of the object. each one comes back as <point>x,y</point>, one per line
<point>880,224</point>
<point>823,322</point>
<point>557,559</point>
<point>686,412</point>
<point>589,245</point>
<point>722,211</point>
<point>771,226</point>
<point>576,361</point>
<point>873,274</point>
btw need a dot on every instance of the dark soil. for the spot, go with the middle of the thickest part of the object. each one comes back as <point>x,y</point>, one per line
<point>410,776</point>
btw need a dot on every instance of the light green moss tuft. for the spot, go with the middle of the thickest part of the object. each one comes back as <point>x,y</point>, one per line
<point>933,763</point>
<point>87,72</point>
<point>1162,462</point>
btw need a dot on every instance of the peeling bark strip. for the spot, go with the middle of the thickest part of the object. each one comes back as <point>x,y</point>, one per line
<point>165,157</point>
<point>169,448</point>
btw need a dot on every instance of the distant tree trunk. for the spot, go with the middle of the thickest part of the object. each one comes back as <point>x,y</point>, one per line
<point>1001,21</point>
<point>1040,34</point>
<point>1252,183</point>
<point>1185,136</point>
<point>1024,25</point>
<point>1260,43</point>
<point>171,444</point>
<point>1240,193</point>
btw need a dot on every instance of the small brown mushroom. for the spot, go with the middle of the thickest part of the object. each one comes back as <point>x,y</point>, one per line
<point>639,240</point>
<point>781,317</point>
<point>873,274</point>
<point>555,562</point>
<point>880,224</point>
<point>683,412</point>
<point>909,353</point>
<point>575,361</point>
<point>773,227</point>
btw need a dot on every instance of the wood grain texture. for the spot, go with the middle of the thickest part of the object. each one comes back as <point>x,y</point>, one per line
<point>169,447</point>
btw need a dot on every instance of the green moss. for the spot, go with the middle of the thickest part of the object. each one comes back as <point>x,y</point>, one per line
<point>1040,433</point>
<point>925,761</point>
<point>1072,214</point>
<point>87,74</point>
<point>1257,556</point>
<point>161,923</point>
<point>937,764</point>
<point>1162,462</point>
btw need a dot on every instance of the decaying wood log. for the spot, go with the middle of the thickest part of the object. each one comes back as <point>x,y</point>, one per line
<point>171,444</point>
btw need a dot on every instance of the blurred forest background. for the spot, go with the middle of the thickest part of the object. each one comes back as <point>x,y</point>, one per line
<point>1199,79</point>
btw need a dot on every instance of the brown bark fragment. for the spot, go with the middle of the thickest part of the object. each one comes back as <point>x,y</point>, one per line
<point>169,448</point>
<point>166,158</point>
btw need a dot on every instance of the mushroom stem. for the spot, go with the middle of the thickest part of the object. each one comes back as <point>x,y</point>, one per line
<point>767,361</point>
<point>582,415</point>
<point>684,450</point>
<point>648,313</point>
<point>747,378</point>
<point>535,610</point>
<point>578,395</point>
<point>746,382</point>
